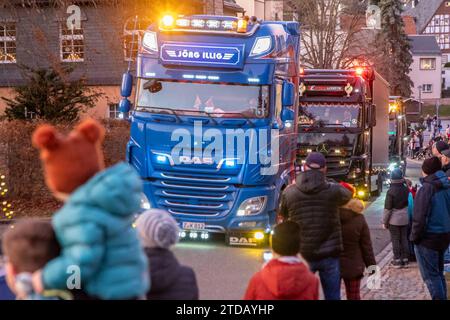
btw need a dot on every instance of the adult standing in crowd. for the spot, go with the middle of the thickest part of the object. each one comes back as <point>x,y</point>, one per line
<point>438,147</point>
<point>431,227</point>
<point>313,202</point>
<point>358,252</point>
<point>428,122</point>
<point>445,160</point>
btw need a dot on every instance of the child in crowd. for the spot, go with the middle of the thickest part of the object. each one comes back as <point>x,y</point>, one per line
<point>27,248</point>
<point>94,227</point>
<point>358,252</point>
<point>286,276</point>
<point>159,231</point>
<point>395,218</point>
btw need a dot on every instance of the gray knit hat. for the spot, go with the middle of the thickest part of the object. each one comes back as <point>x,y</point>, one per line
<point>157,229</point>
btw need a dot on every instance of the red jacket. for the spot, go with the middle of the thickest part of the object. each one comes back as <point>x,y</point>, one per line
<point>283,281</point>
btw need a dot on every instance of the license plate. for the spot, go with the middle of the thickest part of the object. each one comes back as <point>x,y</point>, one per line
<point>193,225</point>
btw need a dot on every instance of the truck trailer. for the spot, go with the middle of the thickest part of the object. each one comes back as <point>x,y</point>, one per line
<point>214,122</point>
<point>344,114</point>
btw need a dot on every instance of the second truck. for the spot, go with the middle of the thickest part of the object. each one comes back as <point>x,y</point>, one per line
<point>344,114</point>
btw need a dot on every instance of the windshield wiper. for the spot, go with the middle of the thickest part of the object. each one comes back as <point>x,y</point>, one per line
<point>243,116</point>
<point>166,109</point>
<point>208,114</point>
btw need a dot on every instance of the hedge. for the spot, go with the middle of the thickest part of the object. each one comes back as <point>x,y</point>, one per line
<point>21,165</point>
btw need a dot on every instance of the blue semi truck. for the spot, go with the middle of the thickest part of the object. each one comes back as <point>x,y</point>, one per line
<point>214,122</point>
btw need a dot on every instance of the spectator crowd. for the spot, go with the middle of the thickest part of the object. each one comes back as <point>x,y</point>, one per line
<point>321,242</point>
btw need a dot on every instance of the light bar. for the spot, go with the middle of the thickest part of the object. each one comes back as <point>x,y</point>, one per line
<point>213,24</point>
<point>184,23</point>
<point>197,23</point>
<point>169,23</point>
<point>229,25</point>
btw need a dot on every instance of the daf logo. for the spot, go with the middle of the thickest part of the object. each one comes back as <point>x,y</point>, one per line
<point>323,148</point>
<point>196,160</point>
<point>242,241</point>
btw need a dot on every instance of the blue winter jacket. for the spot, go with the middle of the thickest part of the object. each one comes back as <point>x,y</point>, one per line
<point>431,220</point>
<point>94,229</point>
<point>439,218</point>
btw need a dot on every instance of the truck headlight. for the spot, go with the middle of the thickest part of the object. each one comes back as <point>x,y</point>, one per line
<point>262,45</point>
<point>252,206</point>
<point>150,41</point>
<point>145,203</point>
<point>392,166</point>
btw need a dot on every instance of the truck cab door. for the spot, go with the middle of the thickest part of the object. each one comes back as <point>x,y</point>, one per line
<point>282,121</point>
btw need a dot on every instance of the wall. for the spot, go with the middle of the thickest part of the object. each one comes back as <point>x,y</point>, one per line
<point>111,94</point>
<point>248,5</point>
<point>274,10</point>
<point>420,77</point>
<point>214,7</point>
<point>38,43</point>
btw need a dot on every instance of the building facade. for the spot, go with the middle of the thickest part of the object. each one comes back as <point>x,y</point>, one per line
<point>269,9</point>
<point>426,68</point>
<point>432,17</point>
<point>99,48</point>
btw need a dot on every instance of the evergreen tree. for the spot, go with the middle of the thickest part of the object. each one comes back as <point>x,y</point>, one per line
<point>394,58</point>
<point>50,95</point>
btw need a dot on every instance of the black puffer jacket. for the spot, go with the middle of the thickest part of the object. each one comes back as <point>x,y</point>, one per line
<point>314,204</point>
<point>169,279</point>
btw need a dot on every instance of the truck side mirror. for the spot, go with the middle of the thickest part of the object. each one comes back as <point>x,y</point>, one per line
<point>287,114</point>
<point>124,105</point>
<point>373,113</point>
<point>127,85</point>
<point>372,116</point>
<point>288,94</point>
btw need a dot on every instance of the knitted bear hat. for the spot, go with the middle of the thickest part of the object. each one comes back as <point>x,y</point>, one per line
<point>70,161</point>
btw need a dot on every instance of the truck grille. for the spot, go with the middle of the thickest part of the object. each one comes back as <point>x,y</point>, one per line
<point>194,195</point>
<point>337,164</point>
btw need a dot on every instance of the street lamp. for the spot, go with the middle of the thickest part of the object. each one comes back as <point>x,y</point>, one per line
<point>420,99</point>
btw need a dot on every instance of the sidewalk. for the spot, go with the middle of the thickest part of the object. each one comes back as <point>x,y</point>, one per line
<point>397,284</point>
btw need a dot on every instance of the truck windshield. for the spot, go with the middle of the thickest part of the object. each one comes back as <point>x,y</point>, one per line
<point>324,115</point>
<point>218,100</point>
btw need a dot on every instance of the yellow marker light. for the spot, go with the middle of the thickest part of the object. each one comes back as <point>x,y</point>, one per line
<point>167,21</point>
<point>361,193</point>
<point>259,235</point>
<point>342,162</point>
<point>242,26</point>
